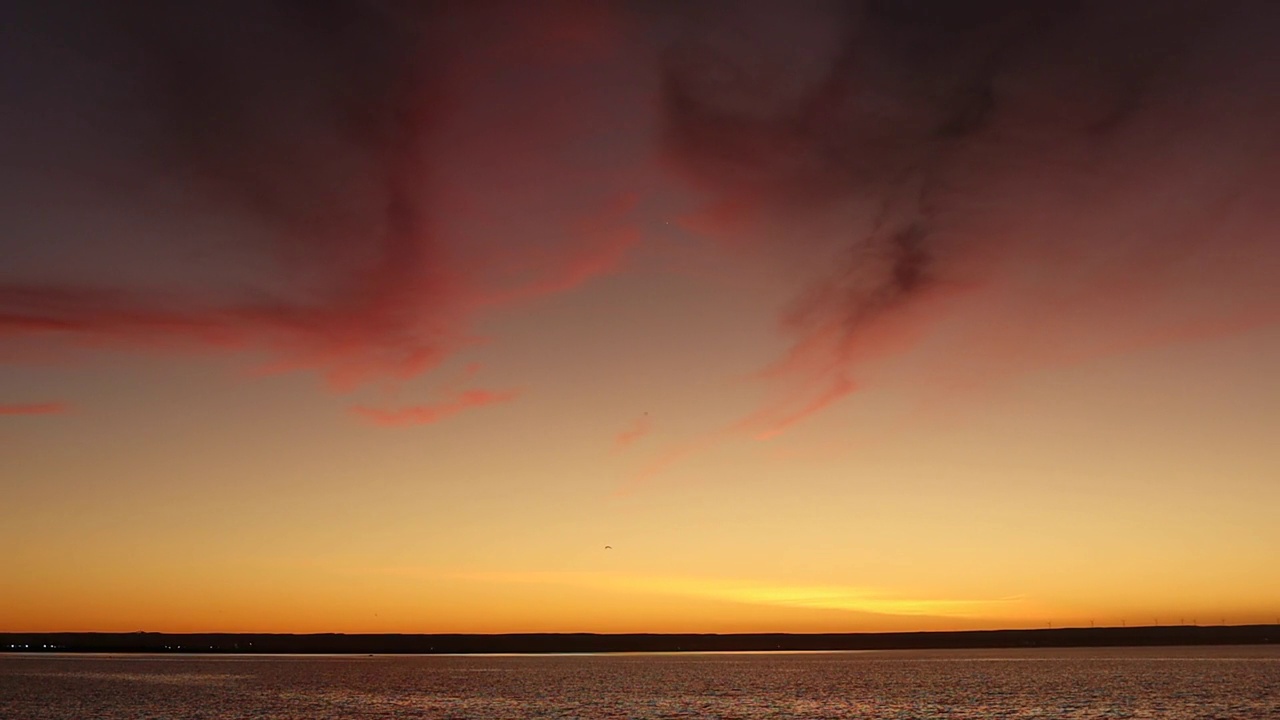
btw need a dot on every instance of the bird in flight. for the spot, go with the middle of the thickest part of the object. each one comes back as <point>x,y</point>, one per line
<point>608,547</point>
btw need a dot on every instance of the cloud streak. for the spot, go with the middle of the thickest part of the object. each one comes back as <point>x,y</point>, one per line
<point>776,421</point>
<point>47,408</point>
<point>633,433</point>
<point>429,414</point>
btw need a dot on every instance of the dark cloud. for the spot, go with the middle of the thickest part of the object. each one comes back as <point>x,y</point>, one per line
<point>339,186</point>
<point>267,174</point>
<point>973,146</point>
<point>306,123</point>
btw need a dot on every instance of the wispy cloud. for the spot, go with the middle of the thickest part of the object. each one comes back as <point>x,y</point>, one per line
<point>670,457</point>
<point>641,427</point>
<point>47,408</point>
<point>596,246</point>
<point>776,421</point>
<point>429,414</point>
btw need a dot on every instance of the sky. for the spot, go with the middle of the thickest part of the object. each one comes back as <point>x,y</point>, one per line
<point>393,316</point>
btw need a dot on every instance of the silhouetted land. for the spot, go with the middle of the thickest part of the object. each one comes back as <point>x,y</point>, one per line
<point>592,643</point>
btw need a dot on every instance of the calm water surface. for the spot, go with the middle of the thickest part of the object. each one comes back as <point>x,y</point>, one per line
<point>1173,683</point>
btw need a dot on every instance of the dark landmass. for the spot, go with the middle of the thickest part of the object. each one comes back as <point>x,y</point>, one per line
<point>147,642</point>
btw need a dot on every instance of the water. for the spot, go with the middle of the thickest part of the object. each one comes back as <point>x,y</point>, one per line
<point>1170,683</point>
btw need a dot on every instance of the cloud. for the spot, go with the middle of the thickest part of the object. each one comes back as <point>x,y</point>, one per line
<point>1052,182</point>
<point>597,246</point>
<point>777,420</point>
<point>344,188</point>
<point>309,128</point>
<point>673,455</point>
<point>641,427</point>
<point>429,414</point>
<point>48,408</point>
<point>280,179</point>
<point>1022,186</point>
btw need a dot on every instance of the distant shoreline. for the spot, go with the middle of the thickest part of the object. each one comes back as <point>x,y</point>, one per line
<point>545,643</point>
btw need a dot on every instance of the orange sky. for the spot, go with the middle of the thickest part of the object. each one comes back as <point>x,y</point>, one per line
<point>800,363</point>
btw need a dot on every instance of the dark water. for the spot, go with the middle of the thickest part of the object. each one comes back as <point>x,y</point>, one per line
<point>1173,683</point>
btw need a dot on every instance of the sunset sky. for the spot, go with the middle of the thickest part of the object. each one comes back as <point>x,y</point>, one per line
<point>390,316</point>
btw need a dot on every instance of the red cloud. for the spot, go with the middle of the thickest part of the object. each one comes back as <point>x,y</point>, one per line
<point>667,459</point>
<point>634,432</point>
<point>428,414</point>
<point>1062,192</point>
<point>1067,189</point>
<point>348,341</point>
<point>777,421</point>
<point>311,177</point>
<point>597,245</point>
<point>49,408</point>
